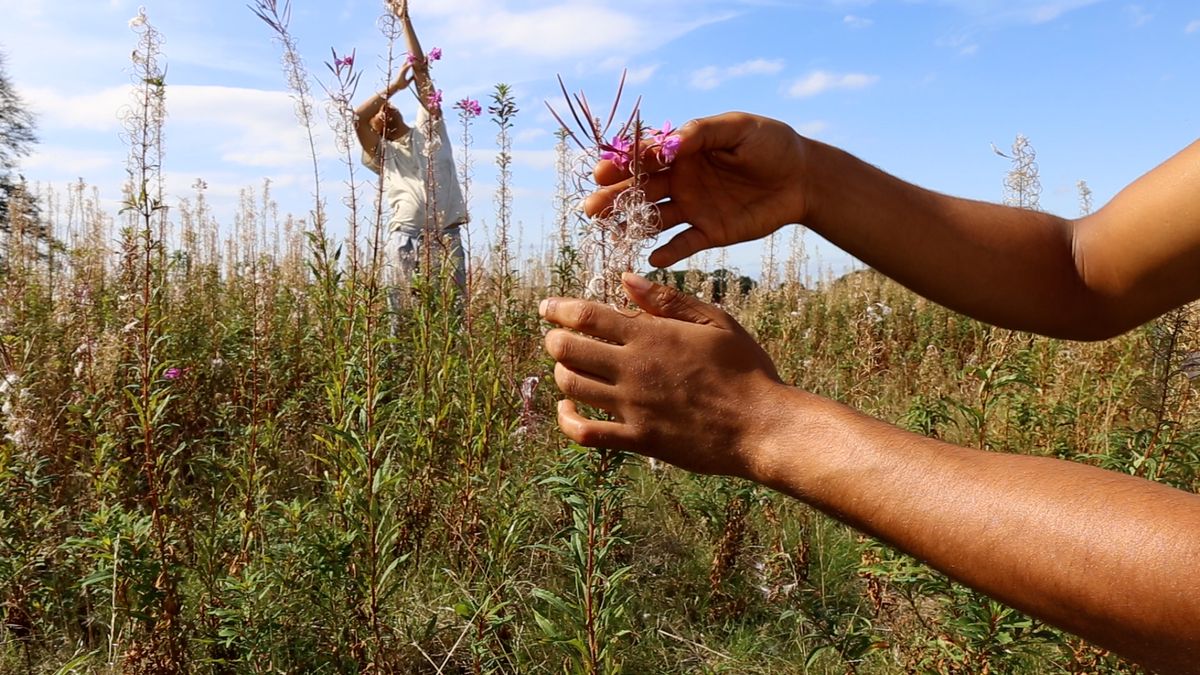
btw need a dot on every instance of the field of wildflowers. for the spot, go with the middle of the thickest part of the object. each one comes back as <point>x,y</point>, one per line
<point>225,451</point>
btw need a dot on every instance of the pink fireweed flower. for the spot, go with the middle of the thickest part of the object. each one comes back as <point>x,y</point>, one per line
<point>435,98</point>
<point>667,141</point>
<point>435,54</point>
<point>346,61</point>
<point>617,151</point>
<point>410,59</point>
<point>172,373</point>
<point>470,107</point>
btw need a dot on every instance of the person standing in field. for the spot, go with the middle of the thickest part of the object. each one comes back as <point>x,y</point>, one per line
<point>1108,556</point>
<point>422,196</point>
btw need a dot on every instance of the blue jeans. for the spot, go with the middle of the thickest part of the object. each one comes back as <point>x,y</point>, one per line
<point>409,251</point>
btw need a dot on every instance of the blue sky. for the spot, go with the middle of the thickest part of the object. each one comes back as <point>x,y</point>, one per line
<point>1104,89</point>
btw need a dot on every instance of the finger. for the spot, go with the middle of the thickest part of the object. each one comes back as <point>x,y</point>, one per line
<point>671,303</point>
<point>655,187</point>
<point>594,433</point>
<point>719,132</point>
<point>583,355</point>
<point>670,214</point>
<point>651,158</point>
<point>585,388</point>
<point>682,245</point>
<point>598,203</point>
<point>589,318</point>
<point>607,172</point>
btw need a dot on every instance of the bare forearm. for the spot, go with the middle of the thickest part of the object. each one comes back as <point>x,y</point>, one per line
<point>371,107</point>
<point>410,37</point>
<point>1090,278</point>
<point>419,63</point>
<point>1007,266</point>
<point>1104,555</point>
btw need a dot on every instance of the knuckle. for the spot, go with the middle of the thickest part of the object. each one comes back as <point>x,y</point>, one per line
<point>670,298</point>
<point>585,315</point>
<point>588,436</point>
<point>557,344</point>
<point>567,381</point>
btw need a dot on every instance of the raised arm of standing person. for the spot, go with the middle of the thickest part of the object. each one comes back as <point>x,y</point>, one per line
<point>739,177</point>
<point>367,124</point>
<point>420,64</point>
<point>1107,556</point>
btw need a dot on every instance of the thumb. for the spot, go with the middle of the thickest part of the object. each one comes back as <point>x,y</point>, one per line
<point>671,303</point>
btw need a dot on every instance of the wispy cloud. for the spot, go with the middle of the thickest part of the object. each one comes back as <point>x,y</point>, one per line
<point>65,161</point>
<point>1017,11</point>
<point>813,128</point>
<point>711,77</point>
<point>249,127</point>
<point>91,111</point>
<point>854,21</point>
<point>964,43</point>
<point>820,81</point>
<point>1192,27</point>
<point>566,30</point>
<point>641,74</point>
<point>1138,15</point>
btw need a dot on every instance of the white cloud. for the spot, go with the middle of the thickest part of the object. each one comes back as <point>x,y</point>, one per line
<point>961,43</point>
<point>94,111</point>
<point>820,81</point>
<point>813,128</point>
<point>640,75</point>
<point>711,77</point>
<point>69,161</point>
<point>572,29</point>
<point>251,127</point>
<point>1138,15</point>
<point>1192,27</point>
<point>527,135</point>
<point>857,21</point>
<point>1017,11</point>
<point>535,159</point>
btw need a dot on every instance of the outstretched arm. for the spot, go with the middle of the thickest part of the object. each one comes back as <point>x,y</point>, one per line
<point>1107,556</point>
<point>739,177</point>
<point>420,63</point>
<point>1089,278</point>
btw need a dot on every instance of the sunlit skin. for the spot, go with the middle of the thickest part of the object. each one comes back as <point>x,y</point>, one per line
<point>375,117</point>
<point>1107,556</point>
<point>388,123</point>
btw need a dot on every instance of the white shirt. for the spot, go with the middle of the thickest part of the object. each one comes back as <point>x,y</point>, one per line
<point>406,173</point>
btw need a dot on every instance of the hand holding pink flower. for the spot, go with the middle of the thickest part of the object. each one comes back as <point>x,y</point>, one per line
<point>667,141</point>
<point>618,151</point>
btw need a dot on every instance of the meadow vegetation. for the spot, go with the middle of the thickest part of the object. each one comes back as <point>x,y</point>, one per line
<point>225,452</point>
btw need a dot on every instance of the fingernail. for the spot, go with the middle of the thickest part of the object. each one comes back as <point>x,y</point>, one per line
<point>542,307</point>
<point>636,282</point>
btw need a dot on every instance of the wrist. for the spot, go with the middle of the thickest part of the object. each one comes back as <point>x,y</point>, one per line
<point>785,446</point>
<point>809,182</point>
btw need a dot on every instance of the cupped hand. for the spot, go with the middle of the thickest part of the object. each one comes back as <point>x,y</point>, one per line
<point>735,177</point>
<point>682,380</point>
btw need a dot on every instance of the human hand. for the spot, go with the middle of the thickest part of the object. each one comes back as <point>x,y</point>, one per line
<point>399,7</point>
<point>683,381</point>
<point>736,177</point>
<point>403,79</point>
